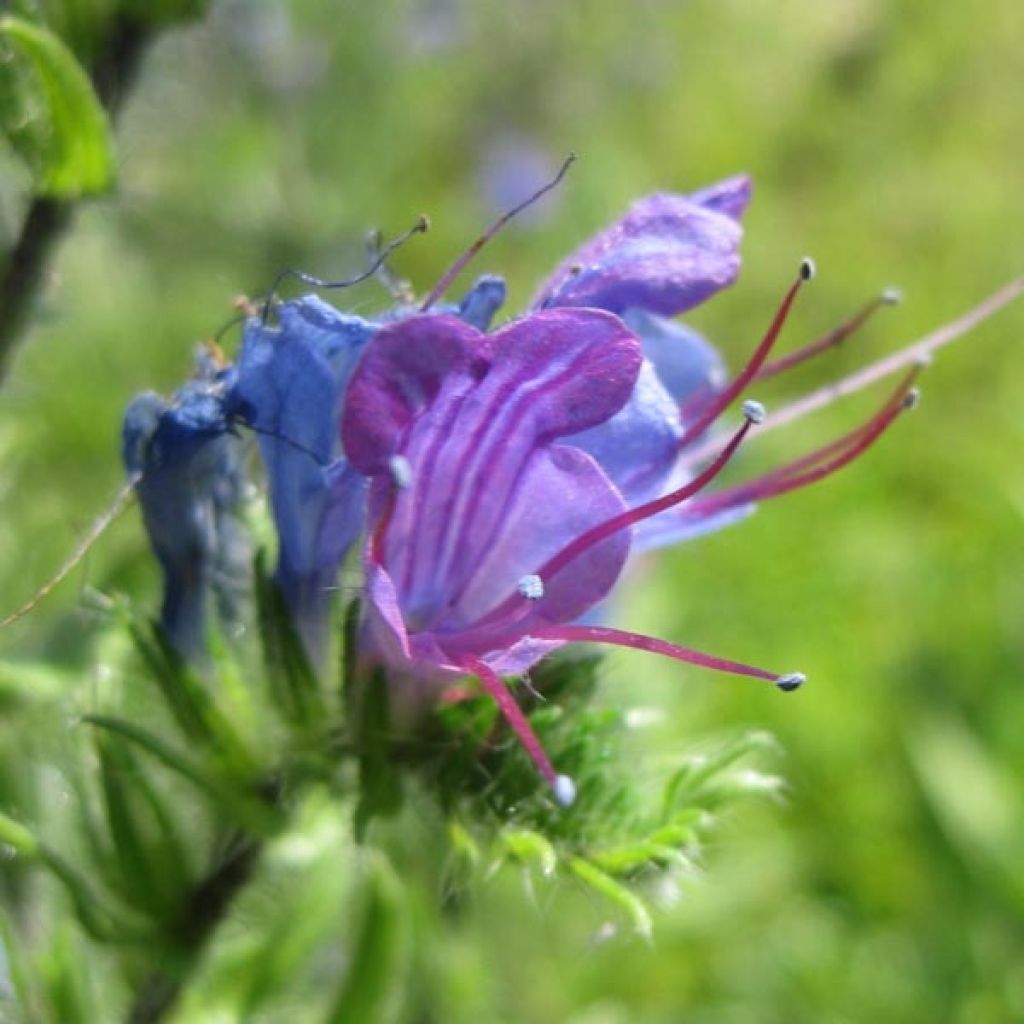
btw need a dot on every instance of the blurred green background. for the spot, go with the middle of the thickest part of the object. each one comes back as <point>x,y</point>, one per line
<point>884,139</point>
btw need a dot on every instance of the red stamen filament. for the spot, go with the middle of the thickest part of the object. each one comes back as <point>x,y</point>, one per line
<point>726,397</point>
<point>624,638</point>
<point>377,538</point>
<point>884,367</point>
<point>795,475</point>
<point>624,520</point>
<point>514,716</point>
<point>457,267</point>
<point>834,337</point>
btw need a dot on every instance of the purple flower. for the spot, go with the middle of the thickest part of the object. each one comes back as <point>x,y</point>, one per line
<point>289,388</point>
<point>189,487</point>
<point>510,471</point>
<point>489,534</point>
<point>667,254</point>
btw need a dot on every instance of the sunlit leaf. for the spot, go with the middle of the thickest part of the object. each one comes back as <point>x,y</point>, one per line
<point>75,156</point>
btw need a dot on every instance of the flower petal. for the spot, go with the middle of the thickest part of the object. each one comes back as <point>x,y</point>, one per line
<point>689,367</point>
<point>667,254</point>
<point>489,499</point>
<point>638,447</point>
<point>289,388</point>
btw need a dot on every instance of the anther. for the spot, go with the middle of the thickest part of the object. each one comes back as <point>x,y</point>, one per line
<point>401,471</point>
<point>531,587</point>
<point>891,296</point>
<point>911,399</point>
<point>565,790</point>
<point>807,268</point>
<point>753,411</point>
<point>790,682</point>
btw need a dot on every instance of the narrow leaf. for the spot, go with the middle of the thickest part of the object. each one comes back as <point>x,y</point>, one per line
<point>244,807</point>
<point>378,956</point>
<point>612,890</point>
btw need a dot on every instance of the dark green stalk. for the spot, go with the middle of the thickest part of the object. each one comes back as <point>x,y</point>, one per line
<point>206,907</point>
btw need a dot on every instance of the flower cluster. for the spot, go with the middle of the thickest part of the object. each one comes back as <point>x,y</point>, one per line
<point>497,480</point>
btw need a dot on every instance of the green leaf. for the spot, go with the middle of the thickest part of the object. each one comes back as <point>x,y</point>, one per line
<point>17,966</point>
<point>529,847</point>
<point>604,884</point>
<point>19,838</point>
<point>151,858</point>
<point>380,787</point>
<point>377,961</point>
<point>75,156</point>
<point>294,682</point>
<point>96,920</point>
<point>197,714</point>
<point>244,807</point>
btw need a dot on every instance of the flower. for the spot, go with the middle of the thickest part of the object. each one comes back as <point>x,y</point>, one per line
<point>288,389</point>
<point>509,470</point>
<point>189,484</point>
<point>667,254</point>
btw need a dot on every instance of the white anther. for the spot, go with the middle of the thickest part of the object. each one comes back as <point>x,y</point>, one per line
<point>807,268</point>
<point>911,399</point>
<point>401,471</point>
<point>565,790</point>
<point>793,681</point>
<point>531,587</point>
<point>754,411</point>
<point>892,296</point>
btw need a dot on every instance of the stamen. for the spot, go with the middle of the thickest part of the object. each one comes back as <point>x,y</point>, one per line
<point>457,267</point>
<point>834,337</point>
<point>380,531</point>
<point>401,471</point>
<point>752,410</point>
<point>886,366</point>
<point>797,474</point>
<point>725,398</point>
<point>624,638</point>
<point>531,587</point>
<point>399,290</point>
<point>522,728</point>
<point>565,790</point>
<point>421,226</point>
<point>791,682</point>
